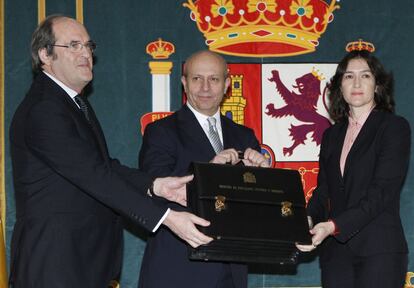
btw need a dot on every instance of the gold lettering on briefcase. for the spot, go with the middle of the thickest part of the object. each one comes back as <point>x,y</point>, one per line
<point>249,177</point>
<point>286,209</point>
<point>220,203</point>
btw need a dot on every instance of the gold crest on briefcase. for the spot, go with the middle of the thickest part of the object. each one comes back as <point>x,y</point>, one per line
<point>249,177</point>
<point>287,209</point>
<point>220,203</point>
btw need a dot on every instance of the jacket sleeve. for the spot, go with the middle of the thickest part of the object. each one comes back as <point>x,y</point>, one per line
<point>54,137</point>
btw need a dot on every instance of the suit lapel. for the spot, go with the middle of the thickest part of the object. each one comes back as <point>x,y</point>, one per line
<point>53,90</point>
<point>98,133</point>
<point>225,128</point>
<point>58,93</point>
<point>365,136</point>
<point>339,139</point>
<point>192,134</point>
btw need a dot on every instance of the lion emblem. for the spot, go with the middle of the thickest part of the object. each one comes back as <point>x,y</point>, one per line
<point>303,107</point>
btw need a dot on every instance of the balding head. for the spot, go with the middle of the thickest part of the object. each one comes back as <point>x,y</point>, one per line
<point>203,55</point>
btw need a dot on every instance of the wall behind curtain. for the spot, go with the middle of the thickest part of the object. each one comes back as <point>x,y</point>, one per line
<point>121,90</point>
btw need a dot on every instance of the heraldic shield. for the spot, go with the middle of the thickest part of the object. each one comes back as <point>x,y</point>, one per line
<point>257,214</point>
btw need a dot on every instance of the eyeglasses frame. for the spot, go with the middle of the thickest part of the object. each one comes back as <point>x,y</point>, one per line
<point>89,45</point>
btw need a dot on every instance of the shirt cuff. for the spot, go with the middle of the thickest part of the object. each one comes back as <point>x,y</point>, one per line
<point>161,220</point>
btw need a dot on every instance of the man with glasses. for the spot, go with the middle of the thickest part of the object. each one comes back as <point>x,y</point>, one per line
<point>69,192</point>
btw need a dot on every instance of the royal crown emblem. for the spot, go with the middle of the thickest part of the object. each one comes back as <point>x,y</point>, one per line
<point>160,49</point>
<point>315,72</point>
<point>249,177</point>
<point>262,28</point>
<point>359,46</point>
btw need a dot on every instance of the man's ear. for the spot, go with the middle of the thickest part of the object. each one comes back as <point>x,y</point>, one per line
<point>44,57</point>
<point>184,82</point>
<point>226,84</point>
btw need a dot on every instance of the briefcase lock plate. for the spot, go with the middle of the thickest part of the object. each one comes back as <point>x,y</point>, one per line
<point>287,209</point>
<point>220,203</point>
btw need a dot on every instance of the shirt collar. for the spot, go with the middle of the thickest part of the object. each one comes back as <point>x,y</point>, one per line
<point>361,119</point>
<point>72,93</point>
<point>202,119</point>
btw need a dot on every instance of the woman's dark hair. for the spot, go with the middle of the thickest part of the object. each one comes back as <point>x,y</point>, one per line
<point>384,98</point>
<point>43,37</point>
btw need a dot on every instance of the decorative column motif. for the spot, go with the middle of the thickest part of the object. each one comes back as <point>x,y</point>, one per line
<point>160,85</point>
<point>160,71</point>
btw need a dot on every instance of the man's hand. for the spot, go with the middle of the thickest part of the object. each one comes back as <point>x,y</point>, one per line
<point>172,188</point>
<point>250,158</point>
<point>183,225</point>
<point>228,156</point>
<point>254,158</point>
<point>320,232</point>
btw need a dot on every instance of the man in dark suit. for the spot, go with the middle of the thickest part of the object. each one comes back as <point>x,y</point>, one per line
<point>169,146</point>
<point>69,192</point>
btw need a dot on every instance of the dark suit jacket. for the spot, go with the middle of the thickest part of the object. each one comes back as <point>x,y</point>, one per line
<point>365,202</point>
<point>169,146</point>
<point>69,194</point>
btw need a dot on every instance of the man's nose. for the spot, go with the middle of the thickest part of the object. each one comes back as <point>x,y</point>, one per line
<point>86,51</point>
<point>206,85</point>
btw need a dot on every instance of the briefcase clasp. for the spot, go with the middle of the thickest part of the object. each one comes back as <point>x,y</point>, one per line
<point>287,209</point>
<point>220,203</point>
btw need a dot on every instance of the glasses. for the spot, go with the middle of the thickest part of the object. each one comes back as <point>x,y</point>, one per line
<point>76,46</point>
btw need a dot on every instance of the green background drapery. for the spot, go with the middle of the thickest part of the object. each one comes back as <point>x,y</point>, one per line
<point>121,91</point>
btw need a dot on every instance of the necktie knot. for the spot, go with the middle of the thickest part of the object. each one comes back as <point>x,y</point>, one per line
<point>212,123</point>
<point>213,135</point>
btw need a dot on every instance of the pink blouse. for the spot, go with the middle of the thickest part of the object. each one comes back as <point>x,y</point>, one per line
<point>354,127</point>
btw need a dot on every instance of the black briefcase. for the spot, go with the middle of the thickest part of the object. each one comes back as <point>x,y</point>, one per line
<point>257,214</point>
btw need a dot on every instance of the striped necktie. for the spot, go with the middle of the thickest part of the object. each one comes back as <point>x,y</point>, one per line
<point>83,107</point>
<point>213,135</point>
